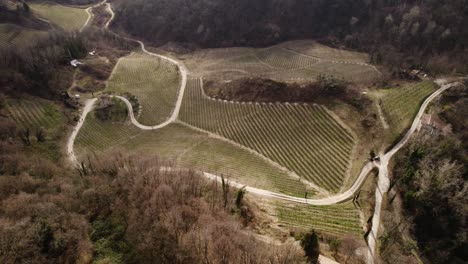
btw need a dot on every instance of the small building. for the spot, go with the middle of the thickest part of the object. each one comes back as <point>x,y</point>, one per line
<point>414,74</point>
<point>75,63</point>
<point>432,125</point>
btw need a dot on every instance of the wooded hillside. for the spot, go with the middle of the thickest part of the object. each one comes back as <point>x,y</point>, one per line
<point>417,33</point>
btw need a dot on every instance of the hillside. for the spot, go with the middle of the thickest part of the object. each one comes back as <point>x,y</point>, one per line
<point>414,33</point>
<point>215,131</point>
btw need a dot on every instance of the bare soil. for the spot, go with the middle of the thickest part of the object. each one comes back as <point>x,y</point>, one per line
<point>249,89</point>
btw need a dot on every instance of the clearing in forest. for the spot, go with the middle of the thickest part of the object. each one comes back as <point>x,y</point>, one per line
<point>186,148</point>
<point>68,18</point>
<point>34,114</point>
<point>155,82</point>
<point>306,139</point>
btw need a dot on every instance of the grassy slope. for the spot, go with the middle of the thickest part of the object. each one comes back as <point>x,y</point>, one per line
<point>153,81</point>
<point>187,148</point>
<point>312,48</point>
<point>303,138</point>
<point>68,18</point>
<point>34,114</point>
<point>14,35</point>
<point>282,62</point>
<point>336,219</point>
<point>400,105</point>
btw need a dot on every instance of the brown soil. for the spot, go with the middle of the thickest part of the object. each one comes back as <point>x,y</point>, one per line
<point>248,89</point>
<point>101,16</point>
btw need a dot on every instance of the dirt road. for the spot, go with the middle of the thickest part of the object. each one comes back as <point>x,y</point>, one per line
<point>383,178</point>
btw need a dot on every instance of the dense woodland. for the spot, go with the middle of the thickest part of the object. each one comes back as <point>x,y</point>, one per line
<point>431,34</point>
<point>431,174</point>
<point>119,210</point>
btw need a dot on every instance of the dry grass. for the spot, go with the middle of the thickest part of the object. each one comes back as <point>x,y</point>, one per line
<point>68,18</point>
<point>13,35</point>
<point>153,81</point>
<point>291,61</point>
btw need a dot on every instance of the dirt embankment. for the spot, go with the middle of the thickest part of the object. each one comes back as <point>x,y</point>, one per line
<point>101,16</point>
<point>251,89</point>
<point>254,89</point>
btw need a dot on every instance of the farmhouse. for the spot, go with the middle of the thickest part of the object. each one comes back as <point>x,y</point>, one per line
<point>75,63</point>
<point>433,125</point>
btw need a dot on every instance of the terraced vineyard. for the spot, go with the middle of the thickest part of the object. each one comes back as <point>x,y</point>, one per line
<point>153,81</point>
<point>400,105</point>
<point>336,219</point>
<point>246,64</point>
<point>349,72</point>
<point>312,48</point>
<point>291,61</point>
<point>14,35</point>
<point>187,148</point>
<point>68,18</point>
<point>35,114</point>
<point>96,136</point>
<point>281,58</point>
<point>305,139</point>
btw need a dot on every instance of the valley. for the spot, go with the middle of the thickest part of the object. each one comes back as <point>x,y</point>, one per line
<point>302,161</point>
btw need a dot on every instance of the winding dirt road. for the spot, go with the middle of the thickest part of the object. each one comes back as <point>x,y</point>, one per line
<point>383,179</point>
<point>90,15</point>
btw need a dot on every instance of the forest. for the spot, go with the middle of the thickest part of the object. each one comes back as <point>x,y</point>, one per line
<point>401,34</point>
<point>118,209</point>
<point>431,175</point>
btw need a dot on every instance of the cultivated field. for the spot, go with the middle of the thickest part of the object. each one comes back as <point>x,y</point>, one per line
<point>400,105</point>
<point>283,59</point>
<point>13,35</point>
<point>186,148</point>
<point>153,81</point>
<point>336,219</point>
<point>306,139</point>
<point>291,61</point>
<point>100,137</point>
<point>68,18</point>
<point>35,114</point>
<point>314,49</point>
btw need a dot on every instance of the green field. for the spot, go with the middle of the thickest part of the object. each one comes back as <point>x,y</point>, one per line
<point>38,114</point>
<point>68,18</point>
<point>305,139</point>
<point>400,105</point>
<point>153,81</point>
<point>13,35</point>
<point>35,114</point>
<point>336,219</point>
<point>186,148</point>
